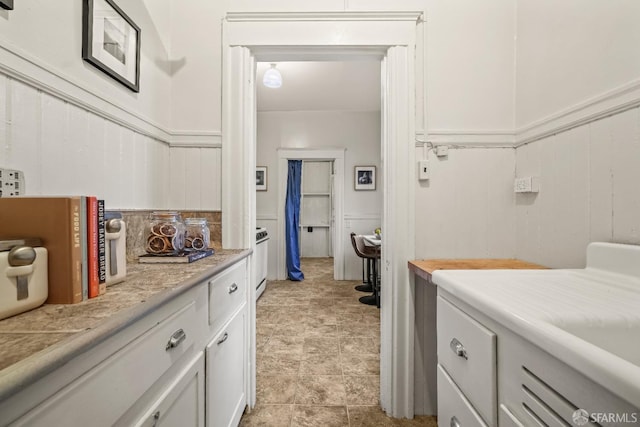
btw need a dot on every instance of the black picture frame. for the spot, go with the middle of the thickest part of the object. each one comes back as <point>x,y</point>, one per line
<point>111,42</point>
<point>6,4</point>
<point>364,178</point>
<point>261,178</point>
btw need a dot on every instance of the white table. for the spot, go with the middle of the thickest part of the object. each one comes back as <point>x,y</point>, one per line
<point>371,240</point>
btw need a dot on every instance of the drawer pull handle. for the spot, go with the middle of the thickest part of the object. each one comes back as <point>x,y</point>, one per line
<point>454,422</point>
<point>233,288</point>
<point>457,347</point>
<point>155,417</point>
<point>223,339</point>
<point>175,340</point>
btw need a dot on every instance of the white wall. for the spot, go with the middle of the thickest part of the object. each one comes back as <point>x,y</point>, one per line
<point>571,51</point>
<point>63,149</point>
<point>469,53</point>
<point>466,209</point>
<point>588,191</point>
<point>358,132</point>
<point>71,128</point>
<point>578,81</point>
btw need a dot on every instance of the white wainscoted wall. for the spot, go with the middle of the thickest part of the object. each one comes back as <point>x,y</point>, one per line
<point>357,132</point>
<point>64,149</point>
<point>466,209</point>
<point>578,92</point>
<point>74,130</point>
<point>589,179</point>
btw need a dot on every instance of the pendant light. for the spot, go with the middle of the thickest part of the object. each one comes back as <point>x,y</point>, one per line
<point>272,77</point>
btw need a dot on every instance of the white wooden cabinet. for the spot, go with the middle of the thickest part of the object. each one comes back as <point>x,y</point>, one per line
<point>227,352</point>
<point>490,376</point>
<point>181,402</point>
<point>226,373</point>
<point>184,363</point>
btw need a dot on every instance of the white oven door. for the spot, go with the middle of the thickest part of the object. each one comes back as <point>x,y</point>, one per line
<point>261,266</point>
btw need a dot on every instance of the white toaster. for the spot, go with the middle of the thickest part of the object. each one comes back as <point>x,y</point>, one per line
<point>116,252</point>
<point>23,279</point>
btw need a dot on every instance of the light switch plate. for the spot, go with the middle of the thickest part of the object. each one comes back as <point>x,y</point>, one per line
<point>424,170</point>
<point>11,183</point>
<point>527,184</point>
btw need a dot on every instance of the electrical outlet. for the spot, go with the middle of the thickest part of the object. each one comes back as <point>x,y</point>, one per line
<point>528,184</point>
<point>442,150</point>
<point>424,170</point>
<point>11,183</point>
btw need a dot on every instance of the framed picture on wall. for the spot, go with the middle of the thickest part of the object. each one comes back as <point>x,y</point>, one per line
<point>261,178</point>
<point>111,42</point>
<point>365,178</point>
<point>6,4</point>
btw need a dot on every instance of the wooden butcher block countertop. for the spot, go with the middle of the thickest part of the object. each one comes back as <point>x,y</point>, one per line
<point>424,268</point>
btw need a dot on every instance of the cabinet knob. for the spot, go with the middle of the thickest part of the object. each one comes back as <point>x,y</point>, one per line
<point>175,340</point>
<point>457,347</point>
<point>233,288</point>
<point>223,339</point>
<point>454,422</point>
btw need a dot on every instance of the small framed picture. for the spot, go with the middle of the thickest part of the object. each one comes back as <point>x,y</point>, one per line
<point>365,177</point>
<point>6,4</point>
<point>111,42</point>
<point>261,178</point>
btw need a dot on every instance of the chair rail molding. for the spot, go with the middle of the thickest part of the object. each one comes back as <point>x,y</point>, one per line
<point>24,67</point>
<point>612,102</point>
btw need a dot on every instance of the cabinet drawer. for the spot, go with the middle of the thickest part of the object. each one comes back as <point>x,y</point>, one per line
<point>226,362</point>
<point>227,291</point>
<point>453,407</point>
<point>103,394</point>
<point>182,401</point>
<point>467,350</point>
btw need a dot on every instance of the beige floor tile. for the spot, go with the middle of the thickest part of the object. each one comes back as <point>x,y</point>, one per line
<point>275,389</point>
<point>321,330</point>
<point>359,345</point>
<point>268,416</point>
<point>373,416</point>
<point>319,416</point>
<point>321,345</point>
<point>284,344</point>
<point>360,364</point>
<point>320,364</point>
<point>278,363</point>
<point>290,329</point>
<point>359,329</point>
<point>320,390</point>
<point>362,390</point>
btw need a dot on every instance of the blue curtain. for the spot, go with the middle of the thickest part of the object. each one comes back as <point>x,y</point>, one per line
<point>292,215</point>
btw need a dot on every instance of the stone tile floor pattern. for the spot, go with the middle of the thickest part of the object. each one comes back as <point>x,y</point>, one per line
<point>318,355</point>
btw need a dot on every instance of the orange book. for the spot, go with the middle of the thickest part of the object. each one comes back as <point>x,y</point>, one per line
<point>92,245</point>
<point>56,221</point>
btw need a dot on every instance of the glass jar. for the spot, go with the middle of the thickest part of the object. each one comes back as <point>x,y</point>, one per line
<point>197,237</point>
<point>165,234</point>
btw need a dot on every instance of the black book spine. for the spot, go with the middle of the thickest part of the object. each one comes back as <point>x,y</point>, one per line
<point>102,244</point>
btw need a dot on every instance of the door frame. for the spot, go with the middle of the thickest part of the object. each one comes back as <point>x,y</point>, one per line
<point>335,155</point>
<point>390,36</point>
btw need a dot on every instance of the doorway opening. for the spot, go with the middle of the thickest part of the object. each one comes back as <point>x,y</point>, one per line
<point>390,36</point>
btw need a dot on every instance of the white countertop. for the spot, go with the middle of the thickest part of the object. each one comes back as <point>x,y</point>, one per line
<point>541,305</point>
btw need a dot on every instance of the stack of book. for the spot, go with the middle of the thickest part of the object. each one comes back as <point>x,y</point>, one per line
<point>72,229</point>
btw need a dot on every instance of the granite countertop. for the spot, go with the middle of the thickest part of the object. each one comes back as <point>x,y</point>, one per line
<point>38,341</point>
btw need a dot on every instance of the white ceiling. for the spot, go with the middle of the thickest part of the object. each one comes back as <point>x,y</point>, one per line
<point>322,86</point>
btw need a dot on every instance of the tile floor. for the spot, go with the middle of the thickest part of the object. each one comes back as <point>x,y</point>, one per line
<point>318,355</point>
